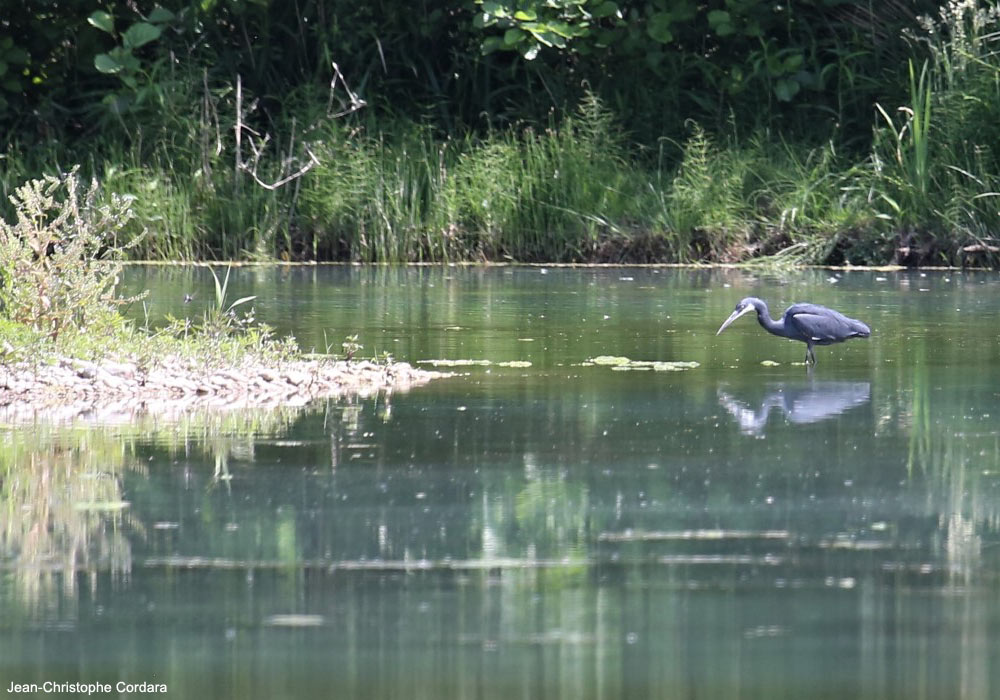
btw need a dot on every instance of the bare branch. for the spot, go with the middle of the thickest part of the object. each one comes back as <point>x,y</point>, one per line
<point>258,143</point>
<point>342,109</point>
<point>313,162</point>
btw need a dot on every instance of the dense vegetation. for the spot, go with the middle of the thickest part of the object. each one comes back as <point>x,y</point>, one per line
<point>59,268</point>
<point>558,130</point>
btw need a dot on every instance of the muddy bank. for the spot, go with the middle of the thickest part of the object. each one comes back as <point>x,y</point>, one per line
<point>115,392</point>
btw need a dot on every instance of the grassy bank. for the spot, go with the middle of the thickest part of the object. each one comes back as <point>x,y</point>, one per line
<point>920,189</point>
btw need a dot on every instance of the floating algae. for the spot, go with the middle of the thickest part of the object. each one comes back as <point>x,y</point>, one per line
<point>623,364</point>
<point>669,366</point>
<point>455,363</point>
<point>609,361</point>
<point>294,620</point>
<point>474,363</point>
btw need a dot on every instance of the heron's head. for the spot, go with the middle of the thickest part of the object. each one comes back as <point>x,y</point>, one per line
<point>744,307</point>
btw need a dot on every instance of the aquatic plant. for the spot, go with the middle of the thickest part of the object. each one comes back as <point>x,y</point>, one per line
<point>625,364</point>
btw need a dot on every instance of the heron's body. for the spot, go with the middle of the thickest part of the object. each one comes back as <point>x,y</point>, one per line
<point>811,324</point>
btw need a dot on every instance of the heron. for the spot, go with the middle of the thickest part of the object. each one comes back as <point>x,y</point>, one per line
<point>810,323</point>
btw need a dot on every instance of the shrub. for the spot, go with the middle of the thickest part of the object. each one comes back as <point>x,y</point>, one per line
<point>60,259</point>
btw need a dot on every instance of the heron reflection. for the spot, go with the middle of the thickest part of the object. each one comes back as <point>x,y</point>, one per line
<point>800,403</point>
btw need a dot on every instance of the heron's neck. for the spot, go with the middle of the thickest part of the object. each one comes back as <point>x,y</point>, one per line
<point>769,324</point>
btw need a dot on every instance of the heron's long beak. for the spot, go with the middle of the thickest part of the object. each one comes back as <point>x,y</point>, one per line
<point>733,316</point>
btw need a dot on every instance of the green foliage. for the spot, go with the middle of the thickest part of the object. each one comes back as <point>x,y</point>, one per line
<point>351,347</point>
<point>703,196</point>
<point>528,27</point>
<point>221,319</point>
<point>462,154</point>
<point>954,158</point>
<point>59,259</point>
<point>739,50</point>
<point>12,60</point>
<point>223,336</point>
<point>909,148</point>
<point>456,65</point>
<point>553,194</point>
<point>138,80</point>
<point>576,192</point>
<point>79,66</point>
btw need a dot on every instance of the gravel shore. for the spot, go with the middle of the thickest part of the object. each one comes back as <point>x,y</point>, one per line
<point>116,392</point>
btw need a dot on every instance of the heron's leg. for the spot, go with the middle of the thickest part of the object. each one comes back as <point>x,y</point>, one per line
<point>810,355</point>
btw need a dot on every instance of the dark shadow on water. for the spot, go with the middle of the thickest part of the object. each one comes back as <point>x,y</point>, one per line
<point>808,401</point>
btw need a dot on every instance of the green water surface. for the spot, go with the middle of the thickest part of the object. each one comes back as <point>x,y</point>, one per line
<point>558,530</point>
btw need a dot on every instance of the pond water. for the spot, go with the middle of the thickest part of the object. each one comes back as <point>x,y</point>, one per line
<point>564,529</point>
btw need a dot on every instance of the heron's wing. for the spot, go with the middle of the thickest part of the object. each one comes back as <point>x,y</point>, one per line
<point>836,322</point>
<point>821,328</point>
<point>804,308</point>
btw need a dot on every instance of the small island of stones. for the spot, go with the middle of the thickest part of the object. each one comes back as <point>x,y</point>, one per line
<point>115,392</point>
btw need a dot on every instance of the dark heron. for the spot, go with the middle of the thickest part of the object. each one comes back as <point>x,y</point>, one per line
<point>810,323</point>
<point>800,404</point>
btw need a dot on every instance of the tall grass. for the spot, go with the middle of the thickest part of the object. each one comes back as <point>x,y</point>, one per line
<point>575,190</point>
<point>702,203</point>
<point>908,144</point>
<point>520,193</point>
<point>938,169</point>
